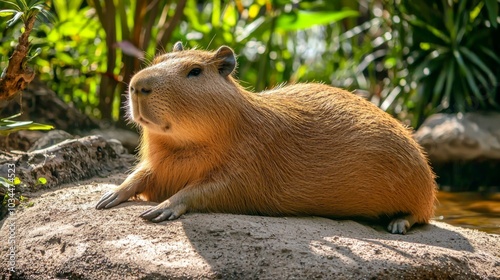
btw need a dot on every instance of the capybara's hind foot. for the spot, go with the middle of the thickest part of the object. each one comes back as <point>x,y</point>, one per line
<point>401,225</point>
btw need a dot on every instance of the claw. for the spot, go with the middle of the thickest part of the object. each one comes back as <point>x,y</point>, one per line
<point>107,200</point>
<point>156,215</point>
<point>112,198</point>
<point>164,211</point>
<point>400,226</point>
<point>162,217</point>
<point>148,214</point>
<point>173,217</point>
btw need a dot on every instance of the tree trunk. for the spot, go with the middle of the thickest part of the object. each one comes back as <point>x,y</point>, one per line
<point>18,75</point>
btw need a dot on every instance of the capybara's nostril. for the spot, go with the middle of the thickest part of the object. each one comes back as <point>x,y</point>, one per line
<point>140,86</point>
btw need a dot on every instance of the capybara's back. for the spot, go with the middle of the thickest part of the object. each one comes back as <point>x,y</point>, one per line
<point>342,156</point>
<point>304,149</point>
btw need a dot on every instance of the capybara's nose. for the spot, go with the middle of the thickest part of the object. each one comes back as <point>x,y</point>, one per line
<point>140,86</point>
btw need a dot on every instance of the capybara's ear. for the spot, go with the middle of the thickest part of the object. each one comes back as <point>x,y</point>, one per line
<point>178,47</point>
<point>226,60</point>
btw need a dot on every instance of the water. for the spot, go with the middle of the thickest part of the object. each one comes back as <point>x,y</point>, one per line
<point>470,210</point>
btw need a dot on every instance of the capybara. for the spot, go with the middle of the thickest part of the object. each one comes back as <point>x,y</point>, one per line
<point>210,145</point>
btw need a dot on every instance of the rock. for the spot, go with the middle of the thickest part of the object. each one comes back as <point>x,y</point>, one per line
<point>469,136</point>
<point>49,139</point>
<point>67,161</point>
<point>127,138</point>
<point>63,236</point>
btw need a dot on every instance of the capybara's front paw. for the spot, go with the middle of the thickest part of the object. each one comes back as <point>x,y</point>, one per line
<point>112,198</point>
<point>165,210</point>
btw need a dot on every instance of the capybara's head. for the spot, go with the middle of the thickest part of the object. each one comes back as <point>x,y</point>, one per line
<point>185,93</point>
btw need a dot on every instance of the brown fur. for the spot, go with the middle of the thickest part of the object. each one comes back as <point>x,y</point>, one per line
<point>305,149</point>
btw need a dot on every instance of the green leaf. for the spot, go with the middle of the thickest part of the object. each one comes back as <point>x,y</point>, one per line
<point>430,33</point>
<point>438,88</point>
<point>390,63</point>
<point>430,64</point>
<point>461,28</point>
<point>490,53</point>
<point>450,79</point>
<point>23,5</point>
<point>66,10</point>
<point>477,38</point>
<point>391,98</point>
<point>300,20</point>
<point>476,11</point>
<point>5,182</point>
<point>216,20</point>
<point>420,104</point>
<point>230,15</point>
<point>479,63</point>
<point>460,25</point>
<point>7,12</point>
<point>487,88</point>
<point>468,77</point>
<point>480,78</point>
<point>14,19</point>
<point>18,124</point>
<point>448,17</point>
<point>42,181</point>
<point>254,28</point>
<point>65,58</point>
<point>193,16</point>
<point>11,117</point>
<point>492,8</point>
<point>7,126</point>
<point>460,101</point>
<point>37,52</point>
<point>14,5</point>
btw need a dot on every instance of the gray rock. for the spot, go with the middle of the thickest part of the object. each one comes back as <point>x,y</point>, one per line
<point>129,139</point>
<point>67,161</point>
<point>50,138</point>
<point>63,236</point>
<point>469,136</point>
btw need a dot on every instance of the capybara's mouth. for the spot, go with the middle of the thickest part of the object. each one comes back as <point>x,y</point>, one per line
<point>139,115</point>
<point>151,125</point>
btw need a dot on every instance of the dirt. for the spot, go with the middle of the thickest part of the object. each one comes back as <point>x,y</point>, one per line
<point>62,236</point>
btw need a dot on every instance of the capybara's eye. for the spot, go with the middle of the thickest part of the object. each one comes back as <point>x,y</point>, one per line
<point>194,72</point>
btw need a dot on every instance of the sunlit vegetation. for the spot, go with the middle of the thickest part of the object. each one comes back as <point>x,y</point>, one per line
<point>411,58</point>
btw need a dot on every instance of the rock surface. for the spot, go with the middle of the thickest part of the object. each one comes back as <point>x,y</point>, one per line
<point>469,136</point>
<point>66,161</point>
<point>50,138</point>
<point>63,236</point>
<point>127,138</point>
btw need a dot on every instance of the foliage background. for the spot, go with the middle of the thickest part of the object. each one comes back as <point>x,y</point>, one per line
<point>411,58</point>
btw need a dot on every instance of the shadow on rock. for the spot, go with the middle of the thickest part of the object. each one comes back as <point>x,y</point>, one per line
<point>63,236</point>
